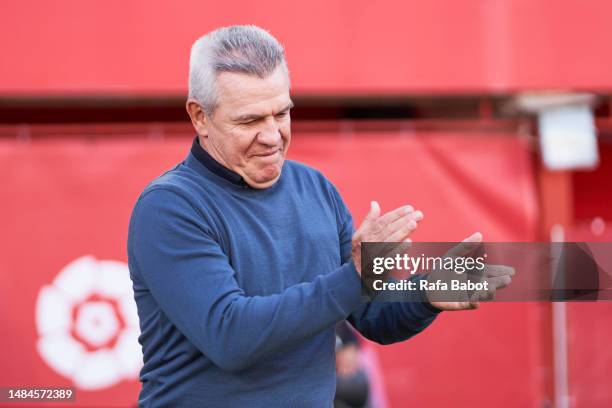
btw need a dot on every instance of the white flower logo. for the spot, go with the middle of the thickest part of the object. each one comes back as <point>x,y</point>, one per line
<point>88,325</point>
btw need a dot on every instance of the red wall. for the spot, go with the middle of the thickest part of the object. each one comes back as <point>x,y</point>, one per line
<point>141,47</point>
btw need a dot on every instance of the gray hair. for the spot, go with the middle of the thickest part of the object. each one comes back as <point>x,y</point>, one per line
<point>242,49</point>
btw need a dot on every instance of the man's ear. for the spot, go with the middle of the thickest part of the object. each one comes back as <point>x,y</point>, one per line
<point>198,118</point>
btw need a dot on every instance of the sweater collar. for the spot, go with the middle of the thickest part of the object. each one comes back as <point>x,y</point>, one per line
<point>214,166</point>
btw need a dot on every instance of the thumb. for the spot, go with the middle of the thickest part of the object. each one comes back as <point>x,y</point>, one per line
<point>370,216</point>
<point>374,211</point>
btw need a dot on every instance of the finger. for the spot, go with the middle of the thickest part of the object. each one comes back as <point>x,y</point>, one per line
<point>415,216</point>
<point>466,246</point>
<point>498,270</point>
<point>499,282</point>
<point>490,293</point>
<point>396,214</point>
<point>399,224</point>
<point>404,230</point>
<point>483,295</point>
<point>402,227</point>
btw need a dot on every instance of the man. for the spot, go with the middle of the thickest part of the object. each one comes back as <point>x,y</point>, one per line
<point>242,262</point>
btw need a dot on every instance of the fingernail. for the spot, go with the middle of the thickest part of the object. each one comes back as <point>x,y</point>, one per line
<point>374,206</point>
<point>418,215</point>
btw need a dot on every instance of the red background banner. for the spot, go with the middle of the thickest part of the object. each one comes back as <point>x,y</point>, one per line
<point>66,198</point>
<point>138,47</point>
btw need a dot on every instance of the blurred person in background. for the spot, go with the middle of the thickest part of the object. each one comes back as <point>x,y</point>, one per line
<point>243,262</point>
<point>352,383</point>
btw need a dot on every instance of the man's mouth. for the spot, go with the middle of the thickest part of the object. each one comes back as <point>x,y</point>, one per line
<point>267,154</point>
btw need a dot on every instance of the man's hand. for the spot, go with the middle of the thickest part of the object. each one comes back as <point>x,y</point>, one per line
<point>394,226</point>
<point>497,276</point>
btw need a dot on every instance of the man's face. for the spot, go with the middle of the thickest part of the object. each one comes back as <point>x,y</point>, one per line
<point>250,130</point>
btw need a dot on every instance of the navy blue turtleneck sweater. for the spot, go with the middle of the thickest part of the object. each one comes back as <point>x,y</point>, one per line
<point>238,289</point>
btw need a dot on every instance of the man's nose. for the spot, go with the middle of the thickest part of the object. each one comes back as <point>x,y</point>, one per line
<point>269,134</point>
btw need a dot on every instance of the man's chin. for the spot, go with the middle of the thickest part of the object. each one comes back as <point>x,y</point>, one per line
<point>266,178</point>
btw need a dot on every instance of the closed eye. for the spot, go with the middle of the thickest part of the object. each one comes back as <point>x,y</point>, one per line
<point>282,114</point>
<point>250,121</point>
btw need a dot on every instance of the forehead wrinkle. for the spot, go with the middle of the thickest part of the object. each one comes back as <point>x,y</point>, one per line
<point>260,115</point>
<point>238,86</point>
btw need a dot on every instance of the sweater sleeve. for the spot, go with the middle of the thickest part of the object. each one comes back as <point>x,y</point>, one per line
<point>192,281</point>
<point>384,322</point>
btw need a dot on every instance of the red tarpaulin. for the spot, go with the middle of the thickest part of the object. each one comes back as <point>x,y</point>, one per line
<point>69,200</point>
